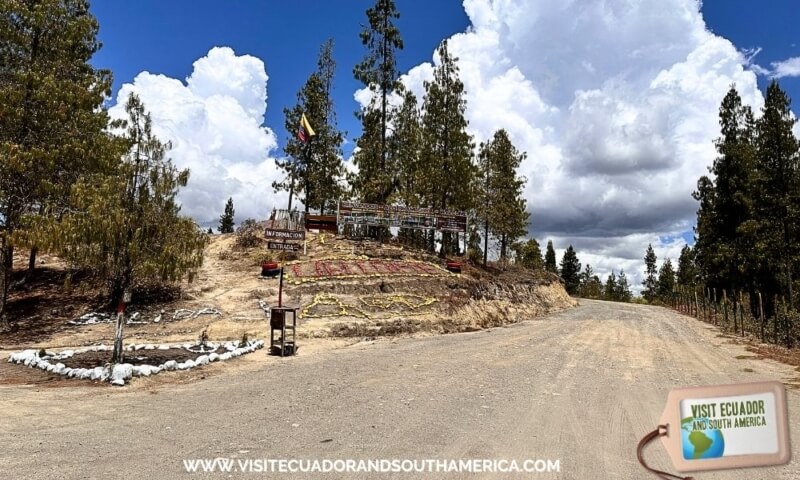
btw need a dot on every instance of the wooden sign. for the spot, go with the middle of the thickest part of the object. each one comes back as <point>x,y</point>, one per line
<point>287,247</point>
<point>284,234</point>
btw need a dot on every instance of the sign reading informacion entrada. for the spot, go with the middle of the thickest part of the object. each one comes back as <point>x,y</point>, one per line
<point>278,234</point>
<point>370,214</point>
<point>287,247</point>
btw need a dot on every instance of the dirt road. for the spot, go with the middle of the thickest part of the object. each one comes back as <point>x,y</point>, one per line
<point>581,386</point>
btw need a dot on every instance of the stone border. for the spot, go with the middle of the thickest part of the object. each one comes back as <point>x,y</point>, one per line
<point>122,372</point>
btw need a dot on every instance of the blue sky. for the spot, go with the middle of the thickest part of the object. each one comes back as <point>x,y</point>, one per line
<point>167,36</point>
<point>615,102</point>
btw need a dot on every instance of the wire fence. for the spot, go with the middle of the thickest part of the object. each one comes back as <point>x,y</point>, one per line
<point>741,313</point>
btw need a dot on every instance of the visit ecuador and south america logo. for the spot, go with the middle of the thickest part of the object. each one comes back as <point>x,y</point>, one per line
<point>702,433</point>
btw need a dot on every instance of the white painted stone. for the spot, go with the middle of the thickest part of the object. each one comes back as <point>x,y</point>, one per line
<point>163,347</point>
<point>170,365</point>
<point>149,347</point>
<point>60,368</point>
<point>96,373</point>
<point>201,360</point>
<point>213,357</point>
<point>120,373</point>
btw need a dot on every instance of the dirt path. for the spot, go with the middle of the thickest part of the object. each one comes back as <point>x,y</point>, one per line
<point>581,386</point>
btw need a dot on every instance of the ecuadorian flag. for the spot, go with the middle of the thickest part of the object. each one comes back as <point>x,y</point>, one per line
<point>305,132</point>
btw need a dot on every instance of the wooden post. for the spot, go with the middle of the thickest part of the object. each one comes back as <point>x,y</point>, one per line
<point>725,307</point>
<point>761,312</point>
<point>775,320</point>
<point>735,306</point>
<point>741,303</point>
<point>696,305</point>
<point>715,305</point>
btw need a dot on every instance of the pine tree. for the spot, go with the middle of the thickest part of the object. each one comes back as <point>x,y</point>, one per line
<point>623,290</point>
<point>226,219</point>
<point>650,281</point>
<point>314,167</point>
<point>404,145</point>
<point>687,271</point>
<point>378,71</point>
<point>474,252</point>
<point>610,291</point>
<point>570,271</point>
<point>52,120</point>
<point>588,289</point>
<point>777,183</point>
<point>127,227</point>
<point>726,201</point>
<point>550,258</point>
<point>500,203</point>
<point>666,280</point>
<point>446,153</point>
<point>529,254</point>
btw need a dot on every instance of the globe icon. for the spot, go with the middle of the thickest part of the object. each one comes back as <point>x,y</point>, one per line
<point>699,444</point>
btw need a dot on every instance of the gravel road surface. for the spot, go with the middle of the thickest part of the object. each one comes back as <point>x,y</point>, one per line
<point>581,386</point>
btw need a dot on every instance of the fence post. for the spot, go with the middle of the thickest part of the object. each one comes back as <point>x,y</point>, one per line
<point>761,312</point>
<point>696,305</point>
<point>725,307</point>
<point>715,305</point>
<point>735,305</point>
<point>741,303</point>
<point>775,320</point>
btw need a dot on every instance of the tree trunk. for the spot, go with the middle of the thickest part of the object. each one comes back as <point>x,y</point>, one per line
<point>117,354</point>
<point>6,253</point>
<point>32,260</point>
<point>485,242</point>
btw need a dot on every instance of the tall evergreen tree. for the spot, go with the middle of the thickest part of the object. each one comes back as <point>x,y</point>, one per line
<point>127,227</point>
<point>726,200</point>
<point>550,258</point>
<point>52,120</point>
<point>446,154</point>
<point>570,271</point>
<point>650,281</point>
<point>529,254</point>
<point>314,167</point>
<point>623,290</point>
<point>378,71</point>
<point>777,181</point>
<point>226,219</point>
<point>590,286</point>
<point>610,291</point>
<point>500,203</point>
<point>405,144</point>
<point>687,271</point>
<point>666,280</point>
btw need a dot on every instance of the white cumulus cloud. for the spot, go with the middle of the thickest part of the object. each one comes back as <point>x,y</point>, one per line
<point>616,103</point>
<point>214,122</point>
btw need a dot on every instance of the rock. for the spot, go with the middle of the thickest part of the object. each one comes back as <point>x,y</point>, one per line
<point>190,364</point>
<point>59,369</point>
<point>66,371</point>
<point>140,347</point>
<point>86,374</point>
<point>213,357</point>
<point>163,347</point>
<point>120,373</point>
<point>96,373</point>
<point>225,356</point>
<point>170,365</point>
<point>202,360</point>
<point>182,366</point>
<point>67,354</point>
<point>149,347</point>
